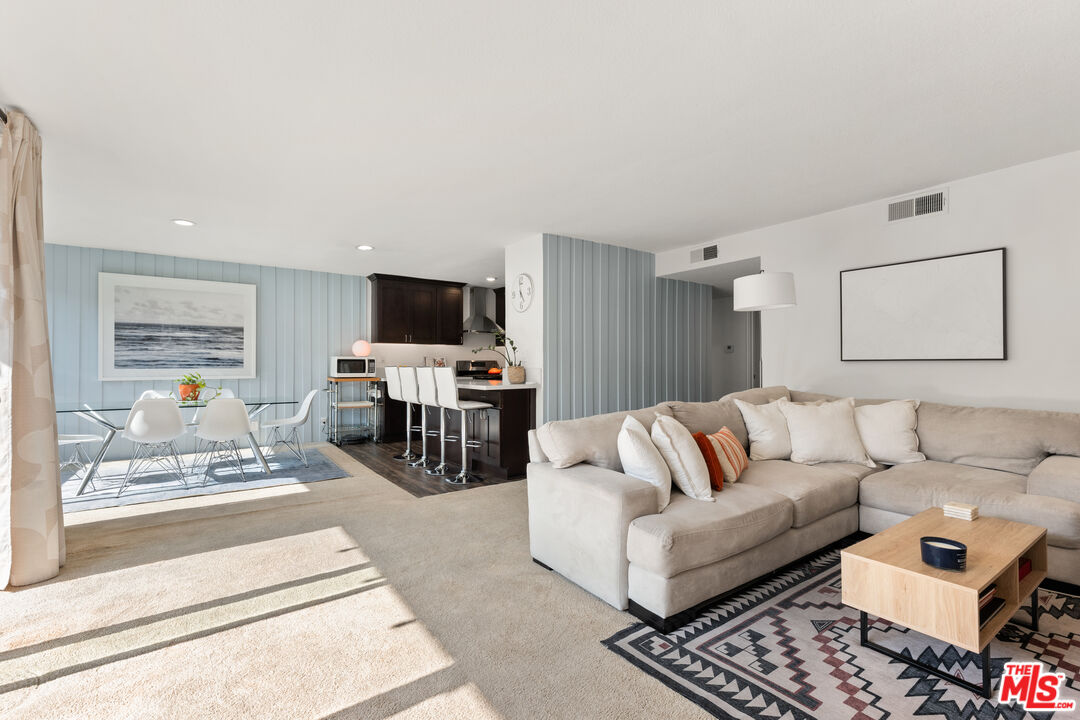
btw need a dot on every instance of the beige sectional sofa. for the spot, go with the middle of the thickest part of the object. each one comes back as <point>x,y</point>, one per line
<point>600,528</point>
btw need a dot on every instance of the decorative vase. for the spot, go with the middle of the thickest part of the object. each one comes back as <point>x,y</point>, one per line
<point>515,374</point>
<point>189,393</point>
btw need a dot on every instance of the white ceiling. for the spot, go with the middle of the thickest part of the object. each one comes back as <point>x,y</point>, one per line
<point>439,132</point>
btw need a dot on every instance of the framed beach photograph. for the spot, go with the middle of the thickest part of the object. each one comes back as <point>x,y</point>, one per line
<point>153,328</point>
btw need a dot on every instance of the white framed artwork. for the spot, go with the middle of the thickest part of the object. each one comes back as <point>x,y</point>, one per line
<point>153,328</point>
<point>942,308</point>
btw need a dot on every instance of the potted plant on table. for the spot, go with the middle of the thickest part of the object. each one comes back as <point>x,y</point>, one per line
<point>515,372</point>
<point>190,386</point>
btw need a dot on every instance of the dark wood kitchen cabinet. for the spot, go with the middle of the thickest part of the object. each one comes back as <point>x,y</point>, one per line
<point>450,313</point>
<point>414,310</point>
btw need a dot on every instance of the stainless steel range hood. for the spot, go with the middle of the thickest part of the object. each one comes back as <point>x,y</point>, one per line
<point>479,321</point>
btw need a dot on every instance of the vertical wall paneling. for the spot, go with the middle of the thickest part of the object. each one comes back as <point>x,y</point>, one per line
<point>616,337</point>
<point>303,318</point>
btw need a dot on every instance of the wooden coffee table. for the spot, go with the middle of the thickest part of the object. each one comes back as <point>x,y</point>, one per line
<point>885,575</point>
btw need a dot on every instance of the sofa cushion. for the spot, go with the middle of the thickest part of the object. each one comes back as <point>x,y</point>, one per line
<point>683,457</point>
<point>708,417</point>
<point>814,490</point>
<point>640,459</point>
<point>888,431</point>
<point>912,488</point>
<point>593,440</point>
<point>691,534</point>
<point>996,438</point>
<point>768,430</point>
<point>1056,476</point>
<point>824,432</point>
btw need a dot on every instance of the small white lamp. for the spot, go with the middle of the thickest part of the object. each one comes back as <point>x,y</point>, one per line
<point>361,348</point>
<point>764,291</point>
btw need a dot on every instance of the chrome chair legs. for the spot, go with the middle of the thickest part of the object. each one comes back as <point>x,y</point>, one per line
<point>291,440</point>
<point>464,476</point>
<point>409,430</point>
<point>229,452</point>
<point>422,461</point>
<point>147,456</point>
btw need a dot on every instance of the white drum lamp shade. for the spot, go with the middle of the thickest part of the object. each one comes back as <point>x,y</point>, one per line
<point>361,348</point>
<point>765,291</point>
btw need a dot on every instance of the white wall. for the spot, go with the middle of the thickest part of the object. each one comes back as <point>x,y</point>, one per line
<point>527,328</point>
<point>1030,209</point>
<point>731,371</point>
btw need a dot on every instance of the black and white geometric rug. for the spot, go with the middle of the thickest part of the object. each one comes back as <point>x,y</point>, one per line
<point>789,649</point>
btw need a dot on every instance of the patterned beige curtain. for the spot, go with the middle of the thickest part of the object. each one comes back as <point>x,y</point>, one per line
<point>31,516</point>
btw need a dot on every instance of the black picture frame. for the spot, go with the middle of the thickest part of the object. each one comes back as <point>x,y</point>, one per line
<point>1004,302</point>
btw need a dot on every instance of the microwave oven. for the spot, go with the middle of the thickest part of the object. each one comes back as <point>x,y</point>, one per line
<point>348,366</point>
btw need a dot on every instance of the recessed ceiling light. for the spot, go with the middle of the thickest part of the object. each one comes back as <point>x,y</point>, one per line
<point>182,222</point>
<point>364,248</point>
<point>491,278</point>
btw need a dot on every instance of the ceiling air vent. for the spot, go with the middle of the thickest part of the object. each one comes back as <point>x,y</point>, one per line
<point>917,205</point>
<point>702,254</point>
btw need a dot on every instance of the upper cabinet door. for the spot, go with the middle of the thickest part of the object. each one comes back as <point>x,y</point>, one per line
<point>391,313</point>
<point>451,315</point>
<point>411,310</point>
<point>423,298</point>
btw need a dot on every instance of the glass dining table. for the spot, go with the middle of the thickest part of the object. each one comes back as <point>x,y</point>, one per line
<point>94,415</point>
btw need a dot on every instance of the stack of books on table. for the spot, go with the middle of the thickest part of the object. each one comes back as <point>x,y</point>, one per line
<point>989,604</point>
<point>960,511</point>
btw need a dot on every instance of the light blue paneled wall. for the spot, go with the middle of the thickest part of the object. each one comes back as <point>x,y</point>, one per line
<point>616,337</point>
<point>303,318</point>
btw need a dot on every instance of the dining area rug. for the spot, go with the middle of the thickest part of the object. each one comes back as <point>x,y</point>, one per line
<point>787,648</point>
<point>285,469</point>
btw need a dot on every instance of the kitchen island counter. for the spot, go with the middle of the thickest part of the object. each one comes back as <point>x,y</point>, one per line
<point>495,385</point>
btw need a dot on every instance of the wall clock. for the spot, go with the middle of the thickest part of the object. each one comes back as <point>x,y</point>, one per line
<point>521,294</point>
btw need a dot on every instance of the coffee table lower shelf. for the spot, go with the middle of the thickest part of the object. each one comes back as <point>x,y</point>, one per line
<point>985,689</point>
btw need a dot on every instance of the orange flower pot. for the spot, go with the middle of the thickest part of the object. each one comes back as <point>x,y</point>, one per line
<point>189,393</point>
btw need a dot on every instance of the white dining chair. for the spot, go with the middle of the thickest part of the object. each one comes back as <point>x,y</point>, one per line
<point>225,393</point>
<point>78,458</point>
<point>153,425</point>
<point>151,394</point>
<point>287,430</point>
<point>223,423</point>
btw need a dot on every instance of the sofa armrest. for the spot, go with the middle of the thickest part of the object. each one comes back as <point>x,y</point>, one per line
<point>578,522</point>
<point>1056,476</point>
<point>536,453</point>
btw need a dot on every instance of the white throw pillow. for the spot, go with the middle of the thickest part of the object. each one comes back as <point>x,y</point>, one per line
<point>824,433</point>
<point>683,457</point>
<point>768,431</point>
<point>887,431</point>
<point>640,459</point>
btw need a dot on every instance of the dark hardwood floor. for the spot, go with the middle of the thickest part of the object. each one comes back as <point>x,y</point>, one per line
<point>380,458</point>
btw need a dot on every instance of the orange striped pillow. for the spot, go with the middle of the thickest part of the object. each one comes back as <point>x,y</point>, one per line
<point>712,461</point>
<point>730,454</point>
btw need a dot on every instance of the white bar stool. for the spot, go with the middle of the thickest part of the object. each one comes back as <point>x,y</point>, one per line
<point>446,383</point>
<point>430,397</point>
<point>410,393</point>
<point>393,391</point>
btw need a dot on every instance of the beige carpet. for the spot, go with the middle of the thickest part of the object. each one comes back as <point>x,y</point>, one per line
<point>344,598</point>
